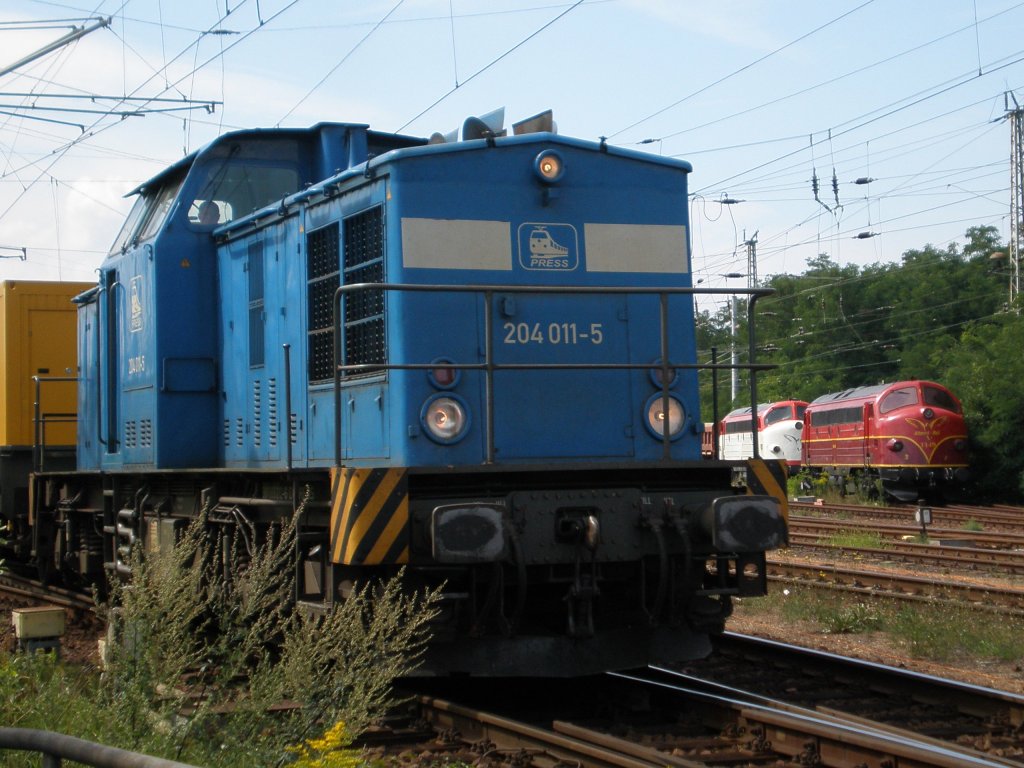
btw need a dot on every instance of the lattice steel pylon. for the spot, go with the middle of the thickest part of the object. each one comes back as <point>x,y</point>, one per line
<point>1016,119</point>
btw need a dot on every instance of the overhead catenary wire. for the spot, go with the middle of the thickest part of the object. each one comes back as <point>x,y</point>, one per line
<point>744,68</point>
<point>491,63</point>
<point>96,128</point>
<point>341,61</point>
<point>708,169</point>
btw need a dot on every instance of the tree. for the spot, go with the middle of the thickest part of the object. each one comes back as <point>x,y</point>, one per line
<point>937,314</point>
<point>986,369</point>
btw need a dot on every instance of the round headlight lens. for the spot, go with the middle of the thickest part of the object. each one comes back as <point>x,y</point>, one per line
<point>444,418</point>
<point>657,416</point>
<point>549,166</point>
<point>929,413</point>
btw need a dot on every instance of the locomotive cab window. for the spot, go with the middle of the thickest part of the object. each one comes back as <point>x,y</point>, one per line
<point>161,205</point>
<point>209,213</point>
<point>149,212</point>
<point>800,410</point>
<point>940,398</point>
<point>242,177</point>
<point>898,398</point>
<point>239,188</point>
<point>124,237</point>
<point>777,414</point>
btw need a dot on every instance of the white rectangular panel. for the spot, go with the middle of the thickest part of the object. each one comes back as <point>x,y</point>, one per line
<point>651,248</point>
<point>456,244</point>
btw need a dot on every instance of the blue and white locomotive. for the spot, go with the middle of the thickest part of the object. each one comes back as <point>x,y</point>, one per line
<point>477,360</point>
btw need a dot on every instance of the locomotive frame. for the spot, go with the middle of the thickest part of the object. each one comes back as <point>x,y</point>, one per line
<point>430,422</point>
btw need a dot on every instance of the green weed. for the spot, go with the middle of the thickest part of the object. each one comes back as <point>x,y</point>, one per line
<point>856,540</point>
<point>928,631</point>
<point>224,676</point>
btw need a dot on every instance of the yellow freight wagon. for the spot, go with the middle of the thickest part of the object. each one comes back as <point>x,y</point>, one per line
<point>37,338</point>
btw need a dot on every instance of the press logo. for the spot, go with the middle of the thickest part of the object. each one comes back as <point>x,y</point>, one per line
<point>135,297</point>
<point>548,247</point>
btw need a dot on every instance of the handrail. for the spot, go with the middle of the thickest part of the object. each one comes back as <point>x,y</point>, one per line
<point>488,366</point>
<point>40,420</point>
<point>55,747</point>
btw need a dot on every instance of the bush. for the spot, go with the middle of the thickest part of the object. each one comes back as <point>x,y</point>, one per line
<point>223,675</point>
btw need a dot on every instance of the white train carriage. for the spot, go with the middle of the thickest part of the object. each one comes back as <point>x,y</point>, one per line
<point>780,427</point>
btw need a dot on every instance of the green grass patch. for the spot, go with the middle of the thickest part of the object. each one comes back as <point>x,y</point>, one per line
<point>856,540</point>
<point>972,525</point>
<point>946,634</point>
<point>926,631</point>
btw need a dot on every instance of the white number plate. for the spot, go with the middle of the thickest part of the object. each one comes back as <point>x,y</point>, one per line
<point>553,333</point>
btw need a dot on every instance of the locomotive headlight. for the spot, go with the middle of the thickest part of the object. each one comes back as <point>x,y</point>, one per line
<point>657,374</point>
<point>442,375</point>
<point>657,416</point>
<point>445,418</point>
<point>895,446</point>
<point>929,413</point>
<point>549,166</point>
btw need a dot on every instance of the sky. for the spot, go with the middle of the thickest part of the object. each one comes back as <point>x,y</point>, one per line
<point>909,97</point>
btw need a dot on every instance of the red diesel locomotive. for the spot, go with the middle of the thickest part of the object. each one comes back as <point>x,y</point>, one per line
<point>910,435</point>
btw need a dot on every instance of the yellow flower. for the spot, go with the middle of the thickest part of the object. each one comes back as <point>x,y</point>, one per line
<point>328,751</point>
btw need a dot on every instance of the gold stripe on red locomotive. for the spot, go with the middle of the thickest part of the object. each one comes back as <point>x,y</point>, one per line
<point>767,477</point>
<point>369,516</point>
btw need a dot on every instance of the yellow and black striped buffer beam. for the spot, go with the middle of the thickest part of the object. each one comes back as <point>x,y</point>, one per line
<point>767,477</point>
<point>369,516</point>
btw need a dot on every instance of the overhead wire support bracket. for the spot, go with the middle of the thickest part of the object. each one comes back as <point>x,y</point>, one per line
<point>96,98</point>
<point>22,252</point>
<point>75,34</point>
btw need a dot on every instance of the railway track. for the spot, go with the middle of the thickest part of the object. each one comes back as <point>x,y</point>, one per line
<point>876,582</point>
<point>825,527</point>
<point>752,703</point>
<point>34,590</point>
<point>1003,562</point>
<point>998,518</point>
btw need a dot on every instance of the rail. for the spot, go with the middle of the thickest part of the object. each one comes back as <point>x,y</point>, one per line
<point>490,367</point>
<point>57,747</point>
<point>40,419</point>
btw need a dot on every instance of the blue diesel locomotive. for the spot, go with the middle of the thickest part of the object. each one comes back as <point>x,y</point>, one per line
<point>475,361</point>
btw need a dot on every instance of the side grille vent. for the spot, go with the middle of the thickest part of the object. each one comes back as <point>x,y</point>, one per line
<point>364,310</point>
<point>272,425</point>
<point>323,274</point>
<point>257,414</point>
